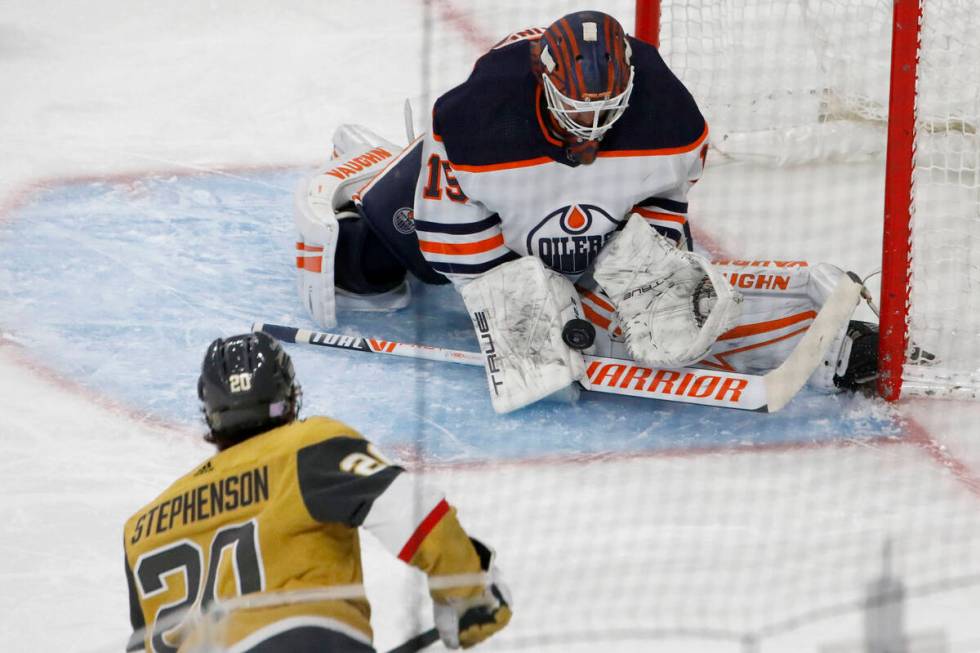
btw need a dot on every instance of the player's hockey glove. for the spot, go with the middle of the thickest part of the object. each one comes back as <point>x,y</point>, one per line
<point>467,622</point>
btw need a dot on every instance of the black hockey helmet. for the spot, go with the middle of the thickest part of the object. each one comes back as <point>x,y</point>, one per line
<point>247,386</point>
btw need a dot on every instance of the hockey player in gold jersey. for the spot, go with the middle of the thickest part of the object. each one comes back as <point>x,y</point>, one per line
<point>276,512</point>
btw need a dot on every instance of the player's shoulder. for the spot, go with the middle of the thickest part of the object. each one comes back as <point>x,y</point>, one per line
<point>663,115</point>
<point>281,443</point>
<point>288,444</point>
<point>311,430</point>
<point>502,72</point>
<point>491,117</point>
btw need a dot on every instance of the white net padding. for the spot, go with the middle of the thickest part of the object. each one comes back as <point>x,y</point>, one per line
<point>803,82</point>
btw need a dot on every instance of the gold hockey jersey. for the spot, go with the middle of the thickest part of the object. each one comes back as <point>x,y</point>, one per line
<point>281,512</point>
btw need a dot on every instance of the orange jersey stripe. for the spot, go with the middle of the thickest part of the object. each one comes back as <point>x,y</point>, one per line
<point>541,160</point>
<point>430,521</point>
<point>661,152</point>
<point>460,249</point>
<point>657,215</point>
<point>508,165</point>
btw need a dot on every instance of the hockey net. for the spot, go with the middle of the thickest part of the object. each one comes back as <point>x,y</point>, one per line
<point>768,542</point>
<point>800,83</point>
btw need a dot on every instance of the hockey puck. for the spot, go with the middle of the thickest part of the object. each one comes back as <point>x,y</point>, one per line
<point>578,334</point>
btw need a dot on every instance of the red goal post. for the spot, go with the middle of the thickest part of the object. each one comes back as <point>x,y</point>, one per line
<point>648,21</point>
<point>899,165</point>
<point>931,164</point>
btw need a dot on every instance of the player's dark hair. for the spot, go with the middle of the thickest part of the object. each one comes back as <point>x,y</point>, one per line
<point>247,387</point>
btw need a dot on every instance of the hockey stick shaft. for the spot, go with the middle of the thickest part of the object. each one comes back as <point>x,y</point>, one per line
<point>418,642</point>
<point>369,345</point>
<point>606,375</point>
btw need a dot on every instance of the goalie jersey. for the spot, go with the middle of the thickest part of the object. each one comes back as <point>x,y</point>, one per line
<point>281,511</point>
<point>496,183</point>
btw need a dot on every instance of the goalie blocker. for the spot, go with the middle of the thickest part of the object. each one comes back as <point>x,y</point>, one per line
<point>673,305</point>
<point>522,313</point>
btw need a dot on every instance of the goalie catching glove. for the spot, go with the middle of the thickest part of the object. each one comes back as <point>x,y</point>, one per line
<point>518,310</point>
<point>468,621</point>
<point>673,304</point>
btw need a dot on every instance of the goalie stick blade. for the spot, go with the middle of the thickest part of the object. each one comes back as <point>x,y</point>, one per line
<point>277,331</point>
<point>684,384</point>
<point>785,381</point>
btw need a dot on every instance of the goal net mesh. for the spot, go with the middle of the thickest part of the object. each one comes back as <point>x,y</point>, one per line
<point>807,81</point>
<point>836,525</point>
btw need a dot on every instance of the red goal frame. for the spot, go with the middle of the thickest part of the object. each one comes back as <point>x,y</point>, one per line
<point>896,256</point>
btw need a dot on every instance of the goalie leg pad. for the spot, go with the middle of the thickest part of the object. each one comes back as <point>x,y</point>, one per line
<point>673,304</point>
<point>316,245</point>
<point>318,201</point>
<point>518,310</point>
<point>780,303</point>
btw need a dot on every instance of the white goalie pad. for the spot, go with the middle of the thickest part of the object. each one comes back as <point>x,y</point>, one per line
<point>780,301</point>
<point>672,304</point>
<point>350,140</point>
<point>518,310</point>
<point>316,245</point>
<point>317,200</point>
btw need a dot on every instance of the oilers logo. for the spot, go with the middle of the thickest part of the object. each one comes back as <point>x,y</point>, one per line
<point>404,221</point>
<point>569,239</point>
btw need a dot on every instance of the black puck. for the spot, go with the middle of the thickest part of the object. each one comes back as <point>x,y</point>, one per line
<point>578,334</point>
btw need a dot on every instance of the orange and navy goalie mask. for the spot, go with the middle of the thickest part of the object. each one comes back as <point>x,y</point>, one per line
<point>583,60</point>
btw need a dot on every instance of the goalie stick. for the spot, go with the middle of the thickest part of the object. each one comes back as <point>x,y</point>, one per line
<point>764,393</point>
<point>220,612</point>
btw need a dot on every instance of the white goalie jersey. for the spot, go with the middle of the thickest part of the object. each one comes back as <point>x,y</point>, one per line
<point>496,184</point>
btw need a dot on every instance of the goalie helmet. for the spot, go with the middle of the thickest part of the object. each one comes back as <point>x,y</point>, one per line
<point>247,386</point>
<point>583,60</point>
